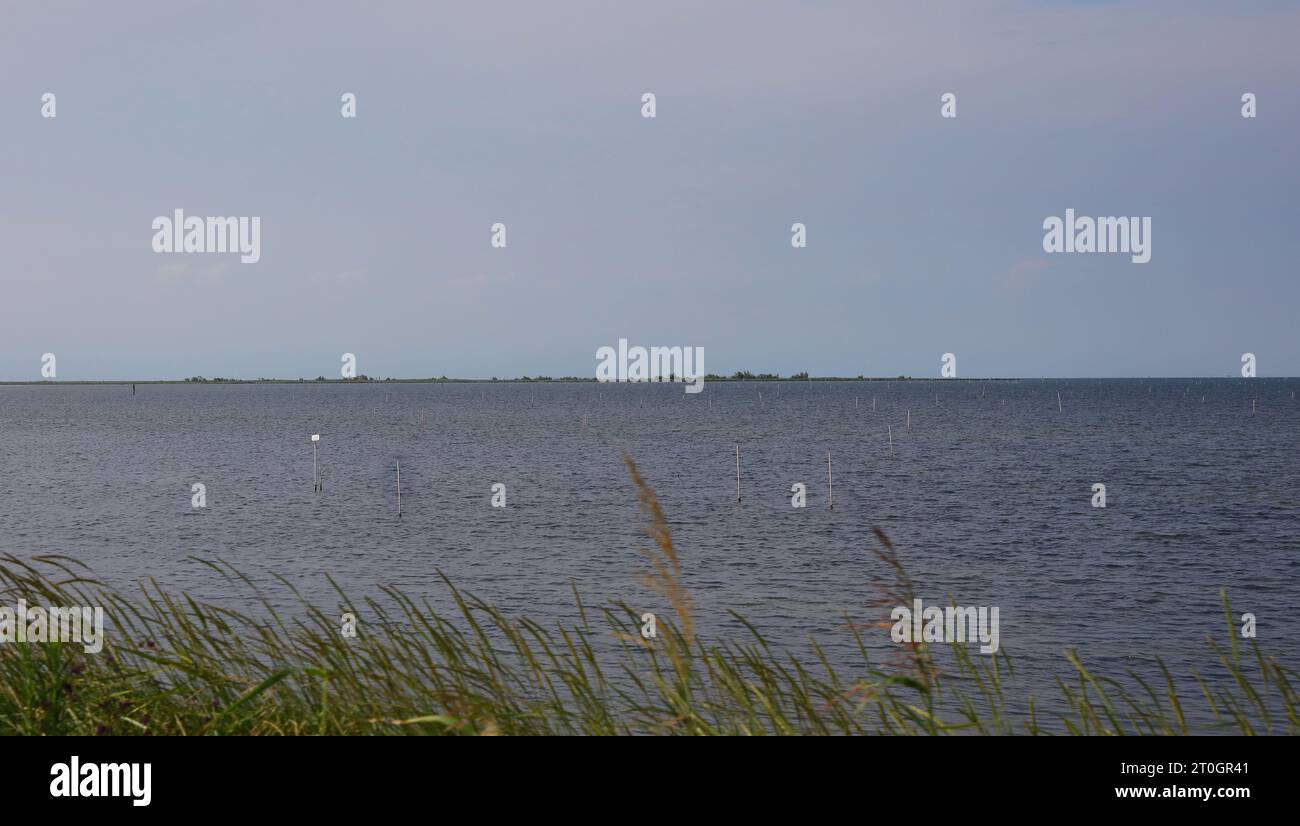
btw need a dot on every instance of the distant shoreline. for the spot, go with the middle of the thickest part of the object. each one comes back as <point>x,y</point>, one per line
<point>573,380</point>
<point>567,380</point>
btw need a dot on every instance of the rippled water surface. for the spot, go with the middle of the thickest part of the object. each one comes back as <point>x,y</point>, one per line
<point>988,498</point>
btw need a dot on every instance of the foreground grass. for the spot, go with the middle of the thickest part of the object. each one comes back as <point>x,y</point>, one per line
<point>175,666</point>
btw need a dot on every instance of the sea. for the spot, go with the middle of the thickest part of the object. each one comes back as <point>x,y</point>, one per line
<point>986,489</point>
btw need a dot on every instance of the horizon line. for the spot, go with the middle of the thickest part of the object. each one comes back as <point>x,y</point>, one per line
<point>768,377</point>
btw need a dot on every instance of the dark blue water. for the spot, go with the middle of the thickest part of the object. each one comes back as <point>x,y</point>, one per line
<point>988,498</point>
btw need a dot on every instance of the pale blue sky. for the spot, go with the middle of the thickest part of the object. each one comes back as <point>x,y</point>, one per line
<point>924,234</point>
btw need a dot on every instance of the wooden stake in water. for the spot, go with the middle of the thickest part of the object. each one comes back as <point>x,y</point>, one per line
<point>873,404</point>
<point>1059,409</point>
<point>315,464</point>
<point>830,482</point>
<point>399,488</point>
<point>1253,404</point>
<point>737,473</point>
<point>891,439</point>
<point>909,421</point>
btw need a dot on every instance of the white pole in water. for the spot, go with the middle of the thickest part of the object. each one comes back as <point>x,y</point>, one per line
<point>399,488</point>
<point>830,483</point>
<point>856,401</point>
<point>891,439</point>
<point>315,464</point>
<point>1059,409</point>
<point>737,473</point>
<point>909,421</point>
<point>1253,403</point>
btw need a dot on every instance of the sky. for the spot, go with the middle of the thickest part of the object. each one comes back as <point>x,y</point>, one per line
<point>924,233</point>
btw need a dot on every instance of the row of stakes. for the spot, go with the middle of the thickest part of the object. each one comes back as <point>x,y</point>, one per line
<point>857,400</point>
<point>318,485</point>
